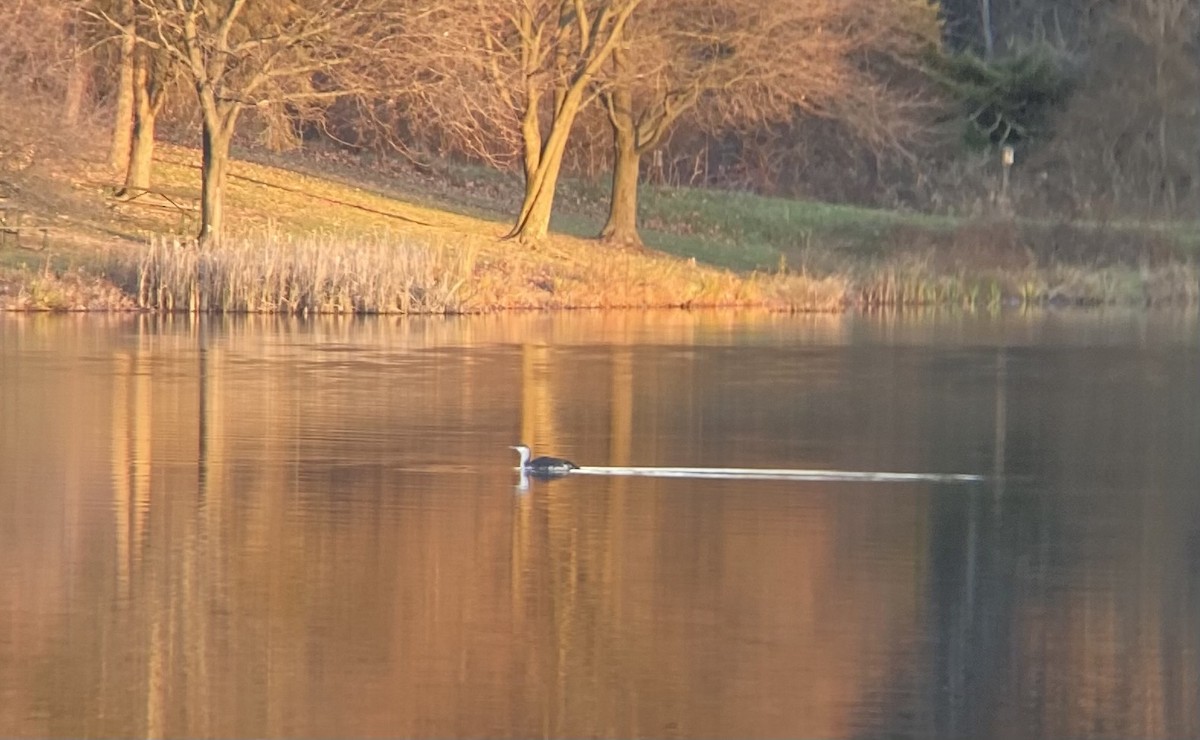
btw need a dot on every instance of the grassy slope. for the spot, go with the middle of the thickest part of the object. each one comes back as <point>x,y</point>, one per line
<point>738,231</point>
<point>842,252</point>
<point>742,231</point>
<point>266,205</point>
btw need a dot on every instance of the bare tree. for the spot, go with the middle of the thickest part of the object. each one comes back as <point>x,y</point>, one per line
<point>37,47</point>
<point>151,75</point>
<point>122,136</point>
<point>79,69</point>
<point>239,55</point>
<point>752,62</point>
<point>577,57</point>
<point>520,71</point>
<point>985,23</point>
<point>1128,139</point>
<point>143,72</point>
<point>1168,31</point>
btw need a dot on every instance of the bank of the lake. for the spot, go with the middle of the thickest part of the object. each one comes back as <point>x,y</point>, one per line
<point>309,240</point>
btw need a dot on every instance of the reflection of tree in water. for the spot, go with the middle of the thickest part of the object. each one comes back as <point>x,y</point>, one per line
<point>1054,607</point>
<point>1060,604</point>
<point>539,426</point>
<point>747,593</point>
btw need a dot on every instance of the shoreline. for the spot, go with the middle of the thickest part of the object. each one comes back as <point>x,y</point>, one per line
<point>664,283</point>
<point>303,245</point>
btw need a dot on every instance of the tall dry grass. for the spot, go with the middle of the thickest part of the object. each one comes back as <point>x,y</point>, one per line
<point>915,282</point>
<point>307,275</point>
<point>322,274</point>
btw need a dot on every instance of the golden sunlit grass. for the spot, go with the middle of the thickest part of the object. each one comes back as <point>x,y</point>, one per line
<point>302,244</point>
<point>301,276</point>
<point>277,273</point>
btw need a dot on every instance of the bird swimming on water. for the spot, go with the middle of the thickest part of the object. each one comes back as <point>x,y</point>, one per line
<point>546,467</point>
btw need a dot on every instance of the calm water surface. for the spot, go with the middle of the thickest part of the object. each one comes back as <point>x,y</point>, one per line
<point>286,528</point>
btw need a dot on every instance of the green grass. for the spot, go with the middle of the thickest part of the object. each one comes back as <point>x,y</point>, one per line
<point>761,229</point>
<point>733,230</point>
<point>746,232</point>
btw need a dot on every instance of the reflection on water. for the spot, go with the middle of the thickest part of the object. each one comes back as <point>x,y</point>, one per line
<point>276,527</point>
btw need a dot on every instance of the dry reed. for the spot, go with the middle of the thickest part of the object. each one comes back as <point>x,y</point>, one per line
<point>310,275</point>
<point>274,273</point>
<point>916,282</point>
<point>324,274</point>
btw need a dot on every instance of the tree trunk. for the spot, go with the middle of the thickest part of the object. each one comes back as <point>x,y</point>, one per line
<point>123,121</point>
<point>147,99</point>
<point>213,164</point>
<point>572,75</point>
<point>985,17</point>
<point>77,88</point>
<point>531,136</point>
<point>621,228</point>
<point>533,222</point>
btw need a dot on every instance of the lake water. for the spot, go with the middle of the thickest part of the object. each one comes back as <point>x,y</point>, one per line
<point>265,527</point>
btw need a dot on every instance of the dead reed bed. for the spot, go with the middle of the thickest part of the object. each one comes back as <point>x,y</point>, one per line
<point>307,275</point>
<point>323,274</point>
<point>805,293</point>
<point>917,282</point>
<point>328,274</point>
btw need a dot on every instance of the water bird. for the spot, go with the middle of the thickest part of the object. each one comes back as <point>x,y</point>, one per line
<point>543,467</point>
